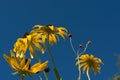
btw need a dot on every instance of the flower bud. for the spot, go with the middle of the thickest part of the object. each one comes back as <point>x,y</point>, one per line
<point>69,35</point>
<point>47,69</point>
<point>80,46</point>
<point>89,42</point>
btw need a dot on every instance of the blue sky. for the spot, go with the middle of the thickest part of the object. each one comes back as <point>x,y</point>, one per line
<point>98,21</point>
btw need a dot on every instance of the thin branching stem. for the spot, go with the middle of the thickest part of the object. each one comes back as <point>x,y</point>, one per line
<point>77,55</point>
<point>79,69</point>
<point>83,50</point>
<point>72,46</point>
<point>78,51</point>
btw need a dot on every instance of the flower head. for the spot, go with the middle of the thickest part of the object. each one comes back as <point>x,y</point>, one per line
<point>32,41</point>
<point>51,32</point>
<point>20,47</point>
<point>89,61</point>
<point>35,41</point>
<point>22,65</point>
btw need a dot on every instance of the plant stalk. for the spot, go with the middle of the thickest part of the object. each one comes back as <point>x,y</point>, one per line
<point>39,60</point>
<point>53,62</point>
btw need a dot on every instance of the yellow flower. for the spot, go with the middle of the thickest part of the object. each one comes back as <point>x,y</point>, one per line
<point>35,41</point>
<point>89,61</point>
<point>22,65</point>
<point>32,41</point>
<point>20,47</point>
<point>51,32</point>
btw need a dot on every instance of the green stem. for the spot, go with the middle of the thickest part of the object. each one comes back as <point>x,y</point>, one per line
<point>84,50</point>
<point>40,78</point>
<point>38,58</point>
<point>53,62</point>
<point>77,54</point>
<point>22,77</point>
<point>88,76</point>
<point>56,73</point>
<point>51,56</point>
<point>79,69</point>
<point>45,75</point>
<point>73,47</point>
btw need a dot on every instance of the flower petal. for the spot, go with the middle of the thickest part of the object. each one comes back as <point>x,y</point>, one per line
<point>38,67</point>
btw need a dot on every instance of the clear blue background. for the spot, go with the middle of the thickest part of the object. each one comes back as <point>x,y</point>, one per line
<point>95,20</point>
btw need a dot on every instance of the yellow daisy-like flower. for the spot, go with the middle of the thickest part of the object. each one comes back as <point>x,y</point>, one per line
<point>22,65</point>
<point>89,61</point>
<point>20,47</point>
<point>51,32</point>
<point>32,41</point>
<point>35,41</point>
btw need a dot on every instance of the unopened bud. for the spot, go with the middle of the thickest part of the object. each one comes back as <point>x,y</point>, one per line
<point>80,46</point>
<point>89,42</point>
<point>47,69</point>
<point>69,35</point>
